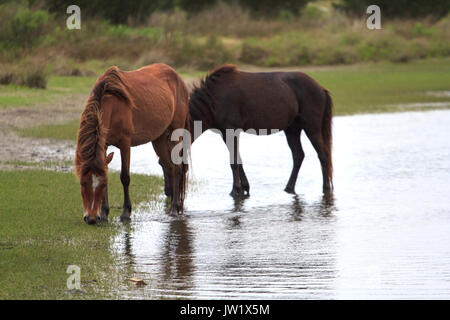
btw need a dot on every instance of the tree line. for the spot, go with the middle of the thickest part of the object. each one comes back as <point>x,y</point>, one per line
<point>118,11</point>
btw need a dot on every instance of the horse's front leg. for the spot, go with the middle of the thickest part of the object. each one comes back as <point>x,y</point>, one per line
<point>244,182</point>
<point>105,207</point>
<point>235,161</point>
<point>125,179</point>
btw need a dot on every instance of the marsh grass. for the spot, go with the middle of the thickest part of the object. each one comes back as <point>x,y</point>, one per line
<point>14,95</point>
<point>43,232</point>
<point>363,88</point>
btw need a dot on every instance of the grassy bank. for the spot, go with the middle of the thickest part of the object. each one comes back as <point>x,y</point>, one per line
<point>13,95</point>
<point>42,233</point>
<point>368,88</point>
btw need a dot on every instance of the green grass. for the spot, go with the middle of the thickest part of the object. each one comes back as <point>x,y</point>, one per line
<point>66,131</point>
<point>367,88</point>
<point>42,233</point>
<point>58,86</point>
<point>377,87</point>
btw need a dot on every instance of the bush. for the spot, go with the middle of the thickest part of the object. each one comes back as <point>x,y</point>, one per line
<point>272,8</point>
<point>25,74</point>
<point>398,8</point>
<point>253,54</point>
<point>21,26</point>
<point>186,51</point>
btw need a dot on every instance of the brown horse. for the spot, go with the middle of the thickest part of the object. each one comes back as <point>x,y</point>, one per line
<point>127,109</point>
<point>263,103</point>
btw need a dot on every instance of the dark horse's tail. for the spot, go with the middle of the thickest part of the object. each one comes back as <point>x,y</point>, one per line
<point>327,133</point>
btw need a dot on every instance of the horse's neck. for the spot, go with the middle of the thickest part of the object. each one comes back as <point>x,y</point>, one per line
<point>102,144</point>
<point>198,127</point>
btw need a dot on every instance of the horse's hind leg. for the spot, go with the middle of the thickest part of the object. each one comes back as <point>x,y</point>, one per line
<point>317,141</point>
<point>167,183</point>
<point>125,179</point>
<point>293,140</point>
<point>163,148</point>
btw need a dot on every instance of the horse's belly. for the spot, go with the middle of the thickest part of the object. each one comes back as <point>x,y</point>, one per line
<point>150,123</point>
<point>270,119</point>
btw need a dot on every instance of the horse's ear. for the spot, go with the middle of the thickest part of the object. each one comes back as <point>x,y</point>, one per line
<point>109,157</point>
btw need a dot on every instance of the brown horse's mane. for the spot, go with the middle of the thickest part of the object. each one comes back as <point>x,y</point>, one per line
<point>91,137</point>
<point>202,100</point>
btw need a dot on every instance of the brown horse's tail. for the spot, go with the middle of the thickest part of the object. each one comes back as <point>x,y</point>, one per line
<point>186,156</point>
<point>327,133</point>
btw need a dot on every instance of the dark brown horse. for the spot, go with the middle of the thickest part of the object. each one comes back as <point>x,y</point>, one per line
<point>265,102</point>
<point>127,109</point>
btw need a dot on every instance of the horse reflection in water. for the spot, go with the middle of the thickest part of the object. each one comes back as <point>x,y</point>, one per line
<point>183,259</point>
<point>175,260</point>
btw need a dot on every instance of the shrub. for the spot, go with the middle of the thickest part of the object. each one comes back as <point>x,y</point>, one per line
<point>252,54</point>
<point>187,51</point>
<point>272,8</point>
<point>398,8</point>
<point>21,26</point>
<point>25,74</point>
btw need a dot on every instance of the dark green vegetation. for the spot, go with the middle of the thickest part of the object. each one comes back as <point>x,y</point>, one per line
<point>119,11</point>
<point>399,8</point>
<point>295,33</point>
<point>42,233</point>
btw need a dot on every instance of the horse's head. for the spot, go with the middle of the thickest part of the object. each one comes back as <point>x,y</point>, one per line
<point>93,187</point>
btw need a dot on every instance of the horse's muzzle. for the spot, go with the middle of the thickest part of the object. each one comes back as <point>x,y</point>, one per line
<point>92,220</point>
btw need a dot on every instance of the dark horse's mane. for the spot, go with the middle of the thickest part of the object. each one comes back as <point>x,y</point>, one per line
<point>91,136</point>
<point>202,101</point>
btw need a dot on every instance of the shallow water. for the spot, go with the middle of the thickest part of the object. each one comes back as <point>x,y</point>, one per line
<point>385,233</point>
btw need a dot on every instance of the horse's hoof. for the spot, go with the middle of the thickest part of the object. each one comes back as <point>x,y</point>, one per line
<point>124,218</point>
<point>104,217</point>
<point>327,190</point>
<point>174,211</point>
<point>290,190</point>
<point>237,193</point>
<point>168,193</point>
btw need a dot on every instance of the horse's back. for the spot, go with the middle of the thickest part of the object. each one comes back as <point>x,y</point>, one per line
<point>271,100</point>
<point>156,91</point>
<point>256,101</point>
<point>310,95</point>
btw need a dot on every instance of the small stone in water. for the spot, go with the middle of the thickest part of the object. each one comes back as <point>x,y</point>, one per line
<point>137,281</point>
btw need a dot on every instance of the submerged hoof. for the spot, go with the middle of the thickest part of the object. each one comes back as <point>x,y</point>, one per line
<point>237,193</point>
<point>290,190</point>
<point>327,190</point>
<point>174,211</point>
